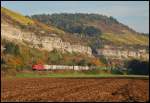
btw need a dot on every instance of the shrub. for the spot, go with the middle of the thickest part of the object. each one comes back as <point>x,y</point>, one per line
<point>84,62</point>
<point>103,59</point>
<point>11,48</point>
<point>70,62</point>
<point>138,67</point>
<point>2,61</point>
<point>54,57</point>
<point>91,31</point>
<point>115,71</point>
<point>96,62</point>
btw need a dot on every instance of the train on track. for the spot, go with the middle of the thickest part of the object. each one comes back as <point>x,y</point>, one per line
<point>59,67</point>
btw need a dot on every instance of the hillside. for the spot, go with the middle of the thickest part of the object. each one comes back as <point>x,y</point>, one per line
<point>25,42</point>
<point>106,29</point>
<point>17,26</point>
<point>27,24</point>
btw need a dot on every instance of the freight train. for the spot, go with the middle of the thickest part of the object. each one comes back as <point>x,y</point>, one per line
<point>59,67</point>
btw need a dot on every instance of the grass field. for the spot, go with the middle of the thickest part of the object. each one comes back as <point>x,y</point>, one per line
<point>74,75</point>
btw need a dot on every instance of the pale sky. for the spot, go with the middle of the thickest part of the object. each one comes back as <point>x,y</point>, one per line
<point>135,14</point>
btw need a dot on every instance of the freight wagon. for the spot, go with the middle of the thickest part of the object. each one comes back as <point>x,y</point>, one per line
<point>58,67</point>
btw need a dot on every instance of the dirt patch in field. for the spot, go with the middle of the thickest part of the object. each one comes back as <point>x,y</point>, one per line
<point>67,89</point>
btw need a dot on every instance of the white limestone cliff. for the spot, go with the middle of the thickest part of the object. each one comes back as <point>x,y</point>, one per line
<point>48,43</point>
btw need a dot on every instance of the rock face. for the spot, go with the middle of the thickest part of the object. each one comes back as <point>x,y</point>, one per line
<point>48,43</point>
<point>119,53</point>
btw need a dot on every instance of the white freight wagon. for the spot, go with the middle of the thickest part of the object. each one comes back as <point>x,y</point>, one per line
<point>63,67</point>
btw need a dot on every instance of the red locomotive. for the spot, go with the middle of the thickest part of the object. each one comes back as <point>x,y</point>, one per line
<point>38,67</point>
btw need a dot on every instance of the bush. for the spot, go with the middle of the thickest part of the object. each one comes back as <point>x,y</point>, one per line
<point>94,71</point>
<point>54,57</point>
<point>84,62</point>
<point>71,62</point>
<point>138,67</point>
<point>115,71</point>
<point>11,48</point>
<point>4,68</point>
<point>103,59</point>
<point>2,61</point>
<point>76,29</point>
<point>22,26</point>
<point>91,31</point>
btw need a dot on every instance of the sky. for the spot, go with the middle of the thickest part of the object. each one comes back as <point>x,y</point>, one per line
<point>135,14</point>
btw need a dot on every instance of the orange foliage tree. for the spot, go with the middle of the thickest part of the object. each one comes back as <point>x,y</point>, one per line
<point>97,62</point>
<point>15,62</point>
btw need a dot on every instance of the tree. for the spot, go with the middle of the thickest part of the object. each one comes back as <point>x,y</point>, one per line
<point>11,48</point>
<point>138,67</point>
<point>72,23</point>
<point>113,20</point>
<point>2,61</point>
<point>91,31</point>
<point>76,29</point>
<point>83,62</point>
<point>54,57</point>
<point>97,62</point>
<point>103,59</point>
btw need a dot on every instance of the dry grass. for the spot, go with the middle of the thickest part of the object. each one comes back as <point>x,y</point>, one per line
<point>127,38</point>
<point>16,16</point>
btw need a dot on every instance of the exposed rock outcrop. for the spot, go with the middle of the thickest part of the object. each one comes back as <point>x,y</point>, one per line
<point>49,43</point>
<point>119,53</point>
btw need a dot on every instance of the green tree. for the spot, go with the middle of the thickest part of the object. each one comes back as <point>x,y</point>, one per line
<point>11,48</point>
<point>138,67</point>
<point>83,62</point>
<point>91,31</point>
<point>54,57</point>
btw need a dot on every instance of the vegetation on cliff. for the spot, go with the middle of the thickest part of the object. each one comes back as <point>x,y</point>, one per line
<point>95,26</point>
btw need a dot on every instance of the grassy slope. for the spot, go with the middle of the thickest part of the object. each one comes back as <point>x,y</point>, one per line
<point>116,33</point>
<point>120,34</point>
<point>127,38</point>
<point>16,16</point>
<point>26,21</point>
